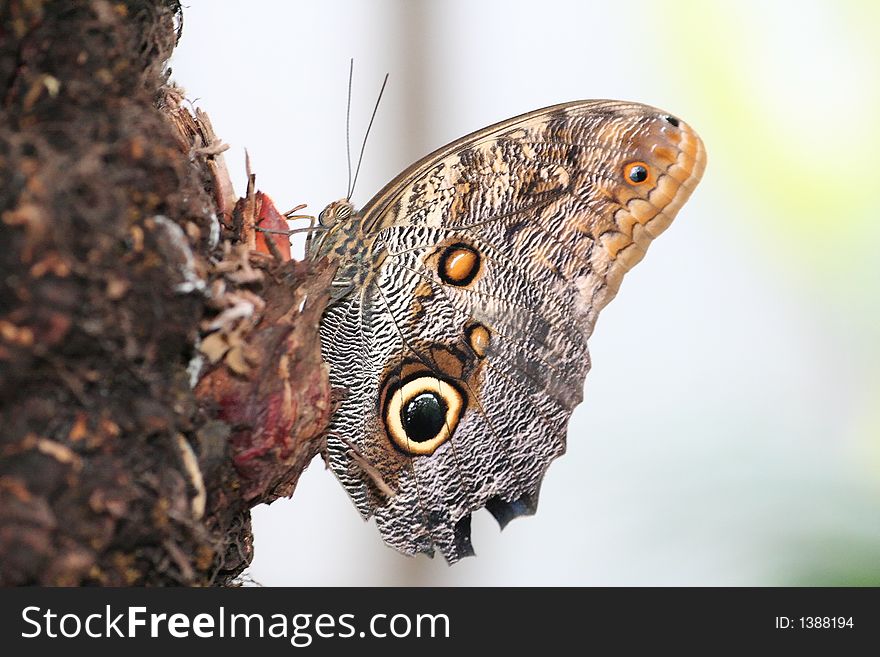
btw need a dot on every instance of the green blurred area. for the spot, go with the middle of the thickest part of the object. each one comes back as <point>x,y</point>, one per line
<point>795,122</point>
<point>788,95</point>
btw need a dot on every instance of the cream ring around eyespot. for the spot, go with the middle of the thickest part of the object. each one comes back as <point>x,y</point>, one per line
<point>397,404</point>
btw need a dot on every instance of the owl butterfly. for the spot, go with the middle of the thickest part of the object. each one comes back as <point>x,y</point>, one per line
<point>464,296</point>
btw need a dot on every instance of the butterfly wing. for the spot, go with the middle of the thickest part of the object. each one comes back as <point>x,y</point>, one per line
<point>482,269</point>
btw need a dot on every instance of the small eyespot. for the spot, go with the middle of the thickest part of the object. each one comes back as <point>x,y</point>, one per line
<point>322,217</point>
<point>478,339</point>
<point>671,120</point>
<point>343,212</point>
<point>636,173</point>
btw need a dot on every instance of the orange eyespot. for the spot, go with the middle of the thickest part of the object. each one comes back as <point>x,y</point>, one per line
<point>478,338</point>
<point>636,173</point>
<point>459,264</point>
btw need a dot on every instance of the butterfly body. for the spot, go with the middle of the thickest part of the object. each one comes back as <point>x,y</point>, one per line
<point>464,296</point>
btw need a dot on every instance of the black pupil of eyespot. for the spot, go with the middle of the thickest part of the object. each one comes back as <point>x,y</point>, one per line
<point>424,416</point>
<point>671,120</point>
<point>638,173</point>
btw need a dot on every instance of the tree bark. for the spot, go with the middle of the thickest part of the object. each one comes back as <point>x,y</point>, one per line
<point>160,369</point>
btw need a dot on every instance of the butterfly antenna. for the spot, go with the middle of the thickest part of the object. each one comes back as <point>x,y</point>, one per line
<point>348,125</point>
<point>364,145</point>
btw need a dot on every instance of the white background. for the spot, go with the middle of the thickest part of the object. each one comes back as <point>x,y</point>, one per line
<point>723,438</point>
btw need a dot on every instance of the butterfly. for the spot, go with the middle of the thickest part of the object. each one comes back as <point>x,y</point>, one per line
<point>464,296</point>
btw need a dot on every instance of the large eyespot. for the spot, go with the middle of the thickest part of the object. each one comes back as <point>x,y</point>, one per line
<point>422,414</point>
<point>636,173</point>
<point>343,212</point>
<point>459,264</point>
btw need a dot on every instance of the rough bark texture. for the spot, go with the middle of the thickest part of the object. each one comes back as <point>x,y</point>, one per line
<point>158,375</point>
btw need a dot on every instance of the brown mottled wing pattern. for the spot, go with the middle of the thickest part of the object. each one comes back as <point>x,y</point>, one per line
<point>476,278</point>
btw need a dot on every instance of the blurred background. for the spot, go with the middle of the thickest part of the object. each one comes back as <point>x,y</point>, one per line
<point>730,433</point>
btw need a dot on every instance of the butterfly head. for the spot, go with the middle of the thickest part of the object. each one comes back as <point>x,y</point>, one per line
<point>337,212</point>
<point>340,239</point>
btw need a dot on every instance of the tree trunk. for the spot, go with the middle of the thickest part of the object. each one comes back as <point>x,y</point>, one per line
<point>160,369</point>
